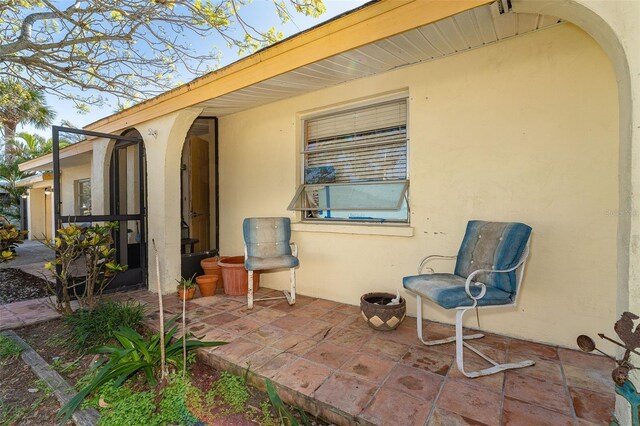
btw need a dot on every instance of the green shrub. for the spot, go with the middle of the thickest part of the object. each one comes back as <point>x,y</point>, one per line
<point>98,326</point>
<point>10,237</point>
<point>94,244</point>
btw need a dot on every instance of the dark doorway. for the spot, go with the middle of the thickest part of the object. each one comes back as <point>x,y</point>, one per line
<point>199,195</point>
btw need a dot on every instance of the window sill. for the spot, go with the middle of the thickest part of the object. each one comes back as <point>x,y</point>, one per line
<point>355,229</point>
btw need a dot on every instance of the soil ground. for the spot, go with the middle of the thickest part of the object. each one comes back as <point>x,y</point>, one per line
<point>50,340</point>
<point>16,285</point>
<point>24,399</point>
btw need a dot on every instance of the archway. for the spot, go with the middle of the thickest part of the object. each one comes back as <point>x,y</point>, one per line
<point>593,23</point>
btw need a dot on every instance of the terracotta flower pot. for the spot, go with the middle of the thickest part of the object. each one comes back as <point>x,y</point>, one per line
<point>189,293</point>
<point>207,284</point>
<point>210,266</point>
<point>235,278</point>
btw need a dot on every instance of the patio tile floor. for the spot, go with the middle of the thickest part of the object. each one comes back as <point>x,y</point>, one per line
<point>323,358</point>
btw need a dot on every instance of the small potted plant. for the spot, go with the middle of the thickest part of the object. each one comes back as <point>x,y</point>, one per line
<point>186,288</point>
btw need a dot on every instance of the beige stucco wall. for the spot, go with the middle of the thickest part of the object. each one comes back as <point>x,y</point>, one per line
<point>525,130</point>
<point>37,210</point>
<point>68,177</point>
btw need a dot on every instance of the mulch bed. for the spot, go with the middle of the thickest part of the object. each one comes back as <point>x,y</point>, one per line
<point>23,399</point>
<point>16,285</point>
<point>50,341</point>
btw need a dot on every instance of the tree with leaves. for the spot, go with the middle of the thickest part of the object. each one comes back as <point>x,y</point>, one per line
<point>21,104</point>
<point>26,146</point>
<point>10,174</point>
<point>130,49</point>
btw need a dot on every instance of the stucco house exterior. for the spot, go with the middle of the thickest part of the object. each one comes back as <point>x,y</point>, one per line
<point>509,111</point>
<point>77,161</point>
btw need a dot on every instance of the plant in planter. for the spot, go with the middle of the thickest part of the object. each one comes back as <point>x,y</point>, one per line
<point>92,244</point>
<point>186,288</point>
<point>10,237</point>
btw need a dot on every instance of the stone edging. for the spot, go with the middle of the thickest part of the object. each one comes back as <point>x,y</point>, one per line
<point>61,389</point>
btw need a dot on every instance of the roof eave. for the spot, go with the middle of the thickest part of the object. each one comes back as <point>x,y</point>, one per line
<point>371,23</point>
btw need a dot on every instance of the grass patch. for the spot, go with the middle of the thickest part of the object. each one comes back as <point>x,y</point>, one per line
<point>9,348</point>
<point>232,390</point>
<point>126,406</point>
<point>96,327</point>
<point>11,415</point>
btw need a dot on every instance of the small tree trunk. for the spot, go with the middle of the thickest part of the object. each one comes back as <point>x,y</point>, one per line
<point>9,130</point>
<point>184,334</point>
<point>163,368</point>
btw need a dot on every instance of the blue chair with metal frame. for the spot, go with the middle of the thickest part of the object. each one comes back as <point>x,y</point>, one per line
<point>267,246</point>
<point>488,273</point>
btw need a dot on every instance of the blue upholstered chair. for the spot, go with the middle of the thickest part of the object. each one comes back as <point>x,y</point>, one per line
<point>267,246</point>
<point>488,273</point>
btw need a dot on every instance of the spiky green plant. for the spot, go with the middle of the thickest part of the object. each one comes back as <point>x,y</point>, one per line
<point>134,354</point>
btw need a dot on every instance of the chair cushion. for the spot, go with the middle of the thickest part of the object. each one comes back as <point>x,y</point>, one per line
<point>267,236</point>
<point>492,245</point>
<point>447,290</point>
<point>262,263</point>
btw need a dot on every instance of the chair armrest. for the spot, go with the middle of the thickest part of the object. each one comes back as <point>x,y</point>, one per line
<point>424,261</point>
<point>467,284</point>
<point>294,249</point>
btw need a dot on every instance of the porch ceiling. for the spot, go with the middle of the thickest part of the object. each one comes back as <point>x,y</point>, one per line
<point>472,29</point>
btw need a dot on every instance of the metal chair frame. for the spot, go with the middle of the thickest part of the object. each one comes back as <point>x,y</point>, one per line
<point>289,295</point>
<point>459,338</point>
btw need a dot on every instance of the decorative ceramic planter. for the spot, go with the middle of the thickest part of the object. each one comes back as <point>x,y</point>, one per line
<point>189,293</point>
<point>235,278</point>
<point>378,314</point>
<point>207,284</point>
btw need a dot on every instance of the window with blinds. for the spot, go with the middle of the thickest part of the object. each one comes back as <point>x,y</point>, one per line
<point>83,197</point>
<point>355,165</point>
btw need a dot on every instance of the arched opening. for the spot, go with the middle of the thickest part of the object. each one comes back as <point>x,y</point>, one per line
<point>594,23</point>
<point>127,205</point>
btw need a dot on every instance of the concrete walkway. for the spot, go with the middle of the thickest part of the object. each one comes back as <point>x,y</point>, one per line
<point>26,312</point>
<point>31,257</point>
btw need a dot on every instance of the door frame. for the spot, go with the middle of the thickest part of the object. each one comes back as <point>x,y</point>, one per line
<point>141,216</point>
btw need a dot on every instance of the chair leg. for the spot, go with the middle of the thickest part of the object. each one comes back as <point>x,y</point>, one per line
<point>439,341</point>
<point>250,291</point>
<point>291,297</point>
<point>460,345</point>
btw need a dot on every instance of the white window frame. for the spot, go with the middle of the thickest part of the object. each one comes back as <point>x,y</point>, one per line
<point>329,111</point>
<point>76,184</point>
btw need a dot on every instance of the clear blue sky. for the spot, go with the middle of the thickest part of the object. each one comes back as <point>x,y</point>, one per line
<point>259,13</point>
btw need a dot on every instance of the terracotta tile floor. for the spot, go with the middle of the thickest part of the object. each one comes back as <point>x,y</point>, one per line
<point>324,358</point>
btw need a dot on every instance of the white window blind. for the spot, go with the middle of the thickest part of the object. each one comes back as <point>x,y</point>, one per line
<point>366,144</point>
<point>355,165</point>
